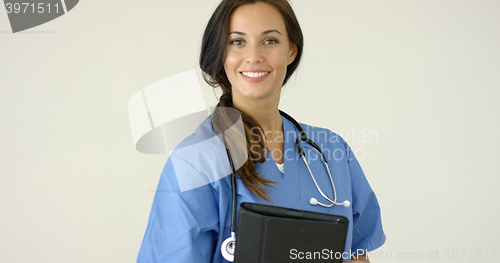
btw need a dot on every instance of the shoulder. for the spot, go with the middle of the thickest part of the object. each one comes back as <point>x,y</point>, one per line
<point>324,136</point>
<point>203,132</point>
<point>196,161</point>
<point>334,147</point>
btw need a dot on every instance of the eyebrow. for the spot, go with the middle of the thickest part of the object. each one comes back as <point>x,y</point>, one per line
<point>263,33</point>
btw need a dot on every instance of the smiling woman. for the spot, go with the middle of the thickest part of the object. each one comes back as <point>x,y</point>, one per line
<point>258,54</point>
<point>249,37</point>
<point>250,49</point>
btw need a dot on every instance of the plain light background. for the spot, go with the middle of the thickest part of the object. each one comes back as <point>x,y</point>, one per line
<point>423,76</point>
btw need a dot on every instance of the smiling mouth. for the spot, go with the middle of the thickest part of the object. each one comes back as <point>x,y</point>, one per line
<point>254,74</point>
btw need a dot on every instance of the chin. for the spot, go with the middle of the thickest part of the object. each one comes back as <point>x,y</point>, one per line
<point>256,95</point>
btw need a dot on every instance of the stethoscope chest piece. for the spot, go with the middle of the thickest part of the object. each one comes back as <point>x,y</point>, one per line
<point>228,247</point>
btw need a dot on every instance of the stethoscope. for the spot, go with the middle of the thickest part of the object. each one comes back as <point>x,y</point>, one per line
<point>229,245</point>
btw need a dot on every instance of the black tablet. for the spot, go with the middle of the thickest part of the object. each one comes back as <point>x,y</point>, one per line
<point>272,234</point>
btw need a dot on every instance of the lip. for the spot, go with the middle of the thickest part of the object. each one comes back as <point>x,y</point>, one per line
<point>254,70</point>
<point>254,80</point>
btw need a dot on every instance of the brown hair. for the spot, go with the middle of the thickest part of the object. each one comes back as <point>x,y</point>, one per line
<point>213,52</point>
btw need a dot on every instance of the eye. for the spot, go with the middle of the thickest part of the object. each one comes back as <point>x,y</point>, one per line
<point>270,41</point>
<point>236,42</point>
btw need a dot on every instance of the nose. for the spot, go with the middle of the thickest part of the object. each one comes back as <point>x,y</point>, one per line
<point>254,54</point>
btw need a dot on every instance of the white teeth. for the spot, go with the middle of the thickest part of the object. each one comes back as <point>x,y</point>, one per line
<point>254,74</point>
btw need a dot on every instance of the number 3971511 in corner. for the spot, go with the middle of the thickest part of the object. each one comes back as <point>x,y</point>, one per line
<point>24,14</point>
<point>33,8</point>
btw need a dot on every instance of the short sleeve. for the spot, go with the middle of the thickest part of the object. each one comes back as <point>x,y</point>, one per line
<point>182,226</point>
<point>367,234</point>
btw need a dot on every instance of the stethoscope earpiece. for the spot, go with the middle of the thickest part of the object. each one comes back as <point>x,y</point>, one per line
<point>313,201</point>
<point>228,247</point>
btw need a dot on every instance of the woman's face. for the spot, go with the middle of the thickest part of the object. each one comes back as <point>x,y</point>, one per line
<point>258,52</point>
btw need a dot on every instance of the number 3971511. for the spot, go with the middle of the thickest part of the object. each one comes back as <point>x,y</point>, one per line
<point>33,8</point>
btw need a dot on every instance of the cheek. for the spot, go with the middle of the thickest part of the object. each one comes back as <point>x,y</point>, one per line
<point>229,69</point>
<point>231,61</point>
<point>229,72</point>
<point>280,62</point>
<point>230,66</point>
<point>281,58</point>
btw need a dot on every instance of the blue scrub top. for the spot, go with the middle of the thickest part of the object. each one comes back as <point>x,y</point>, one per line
<point>190,226</point>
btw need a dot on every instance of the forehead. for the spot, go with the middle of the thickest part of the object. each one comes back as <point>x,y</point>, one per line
<point>256,17</point>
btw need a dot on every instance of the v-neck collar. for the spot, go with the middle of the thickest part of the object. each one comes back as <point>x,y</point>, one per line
<point>291,179</point>
<point>292,176</point>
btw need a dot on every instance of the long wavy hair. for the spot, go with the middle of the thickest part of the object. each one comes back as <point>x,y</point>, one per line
<point>213,53</point>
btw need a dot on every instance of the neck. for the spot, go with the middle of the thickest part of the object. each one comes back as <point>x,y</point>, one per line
<point>265,112</point>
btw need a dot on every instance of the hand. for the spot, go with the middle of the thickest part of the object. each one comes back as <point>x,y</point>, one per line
<point>359,259</point>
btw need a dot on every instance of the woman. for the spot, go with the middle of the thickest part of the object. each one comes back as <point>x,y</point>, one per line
<point>249,50</point>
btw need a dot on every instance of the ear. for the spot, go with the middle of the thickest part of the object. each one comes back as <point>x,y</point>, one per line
<point>293,53</point>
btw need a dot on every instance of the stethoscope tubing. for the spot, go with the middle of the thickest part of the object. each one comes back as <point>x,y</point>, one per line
<point>317,186</point>
<point>233,185</point>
